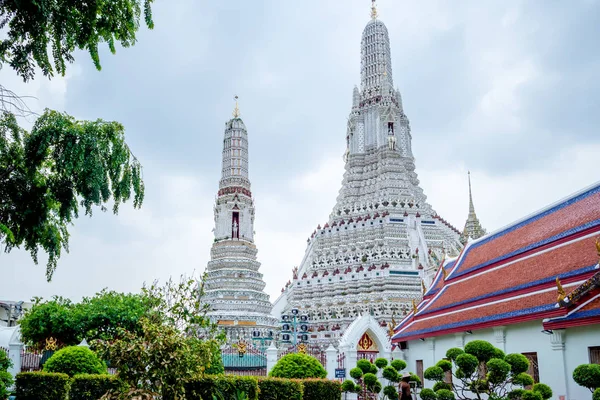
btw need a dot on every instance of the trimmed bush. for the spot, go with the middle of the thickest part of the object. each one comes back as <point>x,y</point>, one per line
<point>391,374</point>
<point>434,373</point>
<point>481,349</point>
<point>596,395</point>
<point>587,375</point>
<point>531,395</point>
<point>543,389</point>
<point>298,366</point>
<point>515,394</point>
<point>498,370</point>
<point>42,386</point>
<point>364,365</point>
<point>92,387</point>
<point>370,379</point>
<point>428,394</point>
<point>75,360</point>
<point>445,365</point>
<point>348,386</point>
<point>518,363</point>
<point>321,389</point>
<point>523,379</point>
<point>227,385</point>
<point>390,392</point>
<point>381,363</point>
<point>444,394</point>
<point>398,365</point>
<point>280,389</point>
<point>356,373</point>
<point>415,378</point>
<point>441,385</point>
<point>468,363</point>
<point>453,353</point>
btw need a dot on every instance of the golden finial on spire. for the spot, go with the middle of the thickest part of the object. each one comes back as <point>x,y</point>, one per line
<point>561,291</point>
<point>236,111</point>
<point>373,10</point>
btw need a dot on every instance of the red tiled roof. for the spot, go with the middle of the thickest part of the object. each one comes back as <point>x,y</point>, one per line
<point>509,276</point>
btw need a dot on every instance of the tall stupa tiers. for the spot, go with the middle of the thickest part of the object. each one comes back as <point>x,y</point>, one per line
<point>472,229</point>
<point>383,242</point>
<point>234,285</point>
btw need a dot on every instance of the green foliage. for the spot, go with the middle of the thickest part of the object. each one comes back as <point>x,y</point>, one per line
<point>390,392</point>
<point>391,374</point>
<point>498,353</point>
<point>522,379</point>
<point>369,379</point>
<point>596,395</point>
<point>588,376</point>
<point>398,365</point>
<point>543,389</point>
<point>356,373</point>
<point>415,378</point>
<point>280,389</point>
<point>434,373</point>
<point>42,386</point>
<point>445,365</point>
<point>531,395</point>
<point>348,386</point>
<point>298,366</point>
<point>75,360</point>
<point>444,394</point>
<point>377,387</point>
<point>92,387</point>
<point>453,353</point>
<point>365,365</point>
<point>321,389</point>
<point>226,385</point>
<point>428,394</point>
<point>481,349</point>
<point>479,386</point>
<point>6,381</point>
<point>5,362</point>
<point>498,371</point>
<point>515,394</point>
<point>381,363</point>
<point>518,363</point>
<point>216,364</point>
<point>468,363</point>
<point>441,385</point>
<point>61,165</point>
<point>39,29</point>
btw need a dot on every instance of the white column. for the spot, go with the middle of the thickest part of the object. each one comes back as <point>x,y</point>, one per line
<point>331,361</point>
<point>557,343</point>
<point>271,357</point>
<point>460,339</point>
<point>500,336</point>
<point>14,353</point>
<point>431,347</point>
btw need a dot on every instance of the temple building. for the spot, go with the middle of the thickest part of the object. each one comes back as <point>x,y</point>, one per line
<point>472,229</point>
<point>532,287</point>
<point>382,242</point>
<point>234,285</point>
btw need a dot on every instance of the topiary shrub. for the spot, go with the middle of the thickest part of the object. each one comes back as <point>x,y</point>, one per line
<point>444,394</point>
<point>543,389</point>
<point>453,353</point>
<point>523,379</point>
<point>498,370</point>
<point>445,365</point>
<point>75,360</point>
<point>441,385</point>
<point>280,389</point>
<point>356,373</point>
<point>390,392</point>
<point>321,389</point>
<point>227,386</point>
<point>381,363</point>
<point>434,373</point>
<point>428,394</point>
<point>515,394</point>
<point>391,374</point>
<point>481,349</point>
<point>530,395</point>
<point>369,379</point>
<point>298,366</point>
<point>518,363</point>
<point>415,378</point>
<point>348,386</point>
<point>596,395</point>
<point>366,366</point>
<point>42,386</point>
<point>398,365</point>
<point>588,376</point>
<point>92,387</point>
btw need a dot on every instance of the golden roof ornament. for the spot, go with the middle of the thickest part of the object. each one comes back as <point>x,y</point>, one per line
<point>373,10</point>
<point>561,291</point>
<point>444,272</point>
<point>414,306</point>
<point>51,344</point>
<point>598,248</point>
<point>423,286</point>
<point>236,111</point>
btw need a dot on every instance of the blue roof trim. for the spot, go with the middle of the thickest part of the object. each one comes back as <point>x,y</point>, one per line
<point>515,288</point>
<point>558,236</point>
<point>511,314</point>
<point>568,202</point>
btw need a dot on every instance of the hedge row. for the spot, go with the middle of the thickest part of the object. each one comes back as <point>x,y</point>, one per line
<point>56,386</point>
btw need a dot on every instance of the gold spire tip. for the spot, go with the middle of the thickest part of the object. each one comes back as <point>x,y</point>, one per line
<point>373,10</point>
<point>236,111</point>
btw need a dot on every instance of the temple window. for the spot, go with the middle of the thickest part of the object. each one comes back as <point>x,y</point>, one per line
<point>594,354</point>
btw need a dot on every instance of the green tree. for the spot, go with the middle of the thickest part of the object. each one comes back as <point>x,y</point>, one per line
<point>34,27</point>
<point>298,366</point>
<point>6,379</point>
<point>483,371</point>
<point>588,376</point>
<point>48,174</point>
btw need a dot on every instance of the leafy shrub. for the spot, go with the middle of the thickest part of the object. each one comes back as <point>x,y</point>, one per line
<point>515,394</point>
<point>321,389</point>
<point>225,385</point>
<point>390,392</point>
<point>543,389</point>
<point>216,364</point>
<point>6,381</point>
<point>587,375</point>
<point>415,378</point>
<point>391,374</point>
<point>377,387</point>
<point>453,353</point>
<point>75,360</point>
<point>445,365</point>
<point>381,363</point>
<point>5,362</point>
<point>42,386</point>
<point>348,386</point>
<point>428,394</point>
<point>441,385</point>
<point>298,366</point>
<point>434,373</point>
<point>468,363</point>
<point>356,373</point>
<point>481,349</point>
<point>530,395</point>
<point>498,370</point>
<point>364,365</point>
<point>369,379</point>
<point>518,363</point>
<point>523,379</point>
<point>280,389</point>
<point>444,394</point>
<point>398,365</point>
<point>92,387</point>
<point>596,395</point>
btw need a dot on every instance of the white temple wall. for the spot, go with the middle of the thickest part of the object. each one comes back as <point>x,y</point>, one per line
<point>558,353</point>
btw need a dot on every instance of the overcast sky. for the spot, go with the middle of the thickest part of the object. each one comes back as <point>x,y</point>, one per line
<point>506,89</point>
